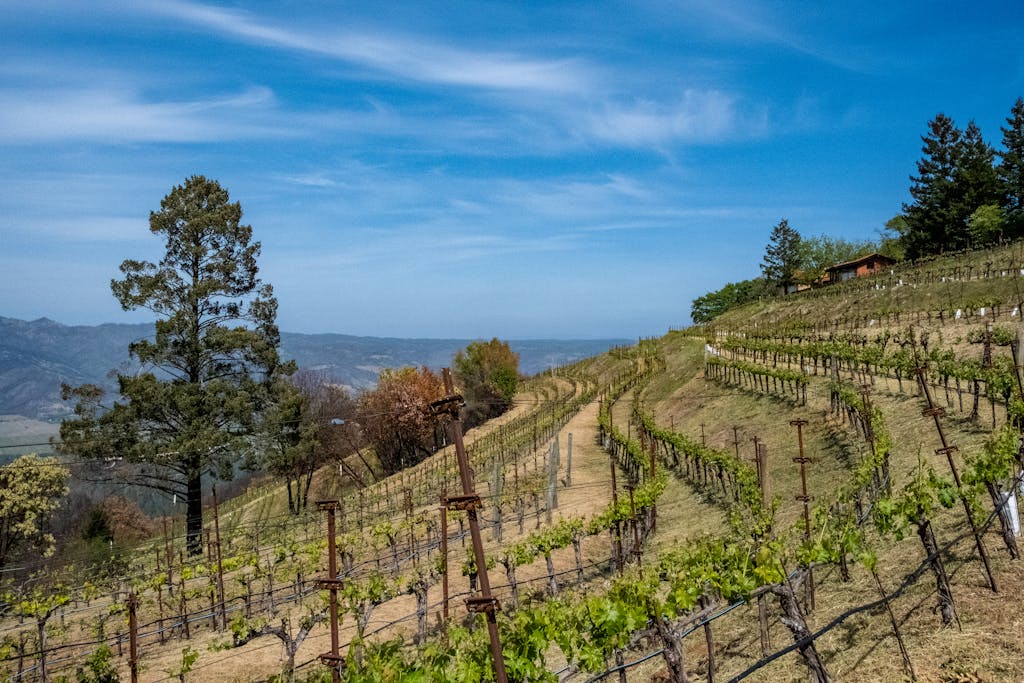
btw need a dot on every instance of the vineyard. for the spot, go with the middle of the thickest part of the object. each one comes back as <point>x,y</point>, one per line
<point>822,486</point>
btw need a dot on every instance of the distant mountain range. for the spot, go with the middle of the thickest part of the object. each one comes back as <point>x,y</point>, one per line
<point>37,356</point>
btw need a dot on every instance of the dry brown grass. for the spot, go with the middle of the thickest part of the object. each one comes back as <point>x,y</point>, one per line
<point>861,649</point>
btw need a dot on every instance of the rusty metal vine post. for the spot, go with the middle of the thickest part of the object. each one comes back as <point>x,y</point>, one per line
<point>470,502</point>
<point>333,659</point>
<point>935,412</point>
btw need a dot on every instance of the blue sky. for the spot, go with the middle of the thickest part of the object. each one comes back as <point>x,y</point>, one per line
<point>478,169</point>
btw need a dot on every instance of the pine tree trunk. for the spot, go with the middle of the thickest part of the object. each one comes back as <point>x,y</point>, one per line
<point>194,511</point>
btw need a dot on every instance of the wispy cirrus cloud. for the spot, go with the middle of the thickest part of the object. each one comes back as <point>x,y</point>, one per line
<point>118,114</point>
<point>512,104</point>
<point>401,57</point>
<point>697,116</point>
<point>743,20</point>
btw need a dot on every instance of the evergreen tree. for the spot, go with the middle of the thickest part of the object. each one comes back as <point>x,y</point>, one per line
<point>289,443</point>
<point>205,375</point>
<point>932,218</point>
<point>976,179</point>
<point>782,255</point>
<point>1011,170</point>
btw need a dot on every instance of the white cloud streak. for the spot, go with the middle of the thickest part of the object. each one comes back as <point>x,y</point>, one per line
<point>402,58</point>
<point>699,116</point>
<point>117,115</point>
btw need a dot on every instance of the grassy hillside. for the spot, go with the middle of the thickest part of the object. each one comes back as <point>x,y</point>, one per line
<point>677,419</point>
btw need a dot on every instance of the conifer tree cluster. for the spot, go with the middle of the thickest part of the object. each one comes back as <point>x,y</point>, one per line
<point>962,196</point>
<point>966,194</point>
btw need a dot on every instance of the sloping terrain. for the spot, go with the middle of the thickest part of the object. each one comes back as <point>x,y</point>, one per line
<point>699,563</point>
<point>37,356</point>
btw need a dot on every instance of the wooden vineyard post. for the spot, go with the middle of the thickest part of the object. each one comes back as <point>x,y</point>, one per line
<point>1017,347</point>
<point>806,499</point>
<point>133,640</point>
<point>617,532</point>
<point>213,579</point>
<point>761,462</point>
<point>709,639</point>
<point>170,555</point>
<point>936,412</point>
<point>636,531</point>
<point>183,600</point>
<point>499,489</point>
<point>444,559</point>
<point>568,460</point>
<point>552,491</point>
<point>470,502</point>
<point>220,563</point>
<point>333,658</point>
<point>412,527</point>
<point>653,473</point>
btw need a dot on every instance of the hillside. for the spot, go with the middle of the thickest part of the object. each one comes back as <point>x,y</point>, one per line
<point>37,356</point>
<point>718,580</point>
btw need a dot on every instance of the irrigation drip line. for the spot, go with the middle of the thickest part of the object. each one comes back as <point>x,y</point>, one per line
<point>200,616</point>
<point>623,667</point>
<point>175,622</point>
<point>911,579</point>
<point>305,523</point>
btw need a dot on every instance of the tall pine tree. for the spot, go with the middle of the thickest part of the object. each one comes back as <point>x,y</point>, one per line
<point>782,255</point>
<point>1011,170</point>
<point>977,182</point>
<point>205,375</point>
<point>932,218</point>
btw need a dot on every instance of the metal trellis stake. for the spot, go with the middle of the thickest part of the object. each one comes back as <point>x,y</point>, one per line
<point>333,659</point>
<point>936,412</point>
<point>470,502</point>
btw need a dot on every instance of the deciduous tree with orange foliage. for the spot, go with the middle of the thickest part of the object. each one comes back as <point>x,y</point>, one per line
<point>396,416</point>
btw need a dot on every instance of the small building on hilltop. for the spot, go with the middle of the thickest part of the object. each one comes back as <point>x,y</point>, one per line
<point>871,264</point>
